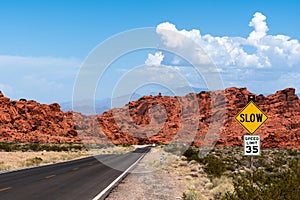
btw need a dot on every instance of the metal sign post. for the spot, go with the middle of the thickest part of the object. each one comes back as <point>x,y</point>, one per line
<point>251,148</point>
<point>251,117</point>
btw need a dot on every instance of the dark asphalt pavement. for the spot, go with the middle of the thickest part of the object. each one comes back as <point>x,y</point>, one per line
<point>80,179</point>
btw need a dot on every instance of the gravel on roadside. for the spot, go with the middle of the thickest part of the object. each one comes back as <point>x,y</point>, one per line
<point>151,180</point>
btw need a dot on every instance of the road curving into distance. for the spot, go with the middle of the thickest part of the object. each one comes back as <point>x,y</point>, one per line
<point>82,179</point>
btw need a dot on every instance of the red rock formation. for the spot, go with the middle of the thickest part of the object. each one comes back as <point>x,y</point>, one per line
<point>29,121</point>
<point>282,129</point>
<point>203,119</point>
<point>215,119</point>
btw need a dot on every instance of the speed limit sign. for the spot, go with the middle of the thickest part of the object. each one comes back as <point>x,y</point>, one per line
<point>251,145</point>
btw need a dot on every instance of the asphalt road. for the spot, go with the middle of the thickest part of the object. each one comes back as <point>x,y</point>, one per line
<point>79,179</point>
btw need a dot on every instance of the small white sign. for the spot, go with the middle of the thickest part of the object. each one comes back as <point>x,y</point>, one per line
<point>161,158</point>
<point>251,145</point>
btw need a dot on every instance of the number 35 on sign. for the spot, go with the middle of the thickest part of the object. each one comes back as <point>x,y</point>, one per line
<point>251,145</point>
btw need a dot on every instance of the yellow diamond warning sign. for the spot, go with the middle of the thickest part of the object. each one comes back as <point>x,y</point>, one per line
<point>251,117</point>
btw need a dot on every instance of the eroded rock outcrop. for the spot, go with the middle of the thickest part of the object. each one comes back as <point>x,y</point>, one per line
<point>30,121</point>
<point>215,121</point>
<point>202,119</point>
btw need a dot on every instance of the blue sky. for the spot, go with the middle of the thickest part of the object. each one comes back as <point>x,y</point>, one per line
<point>43,43</point>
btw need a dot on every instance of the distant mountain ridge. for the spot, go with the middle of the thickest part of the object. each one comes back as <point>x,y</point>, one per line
<point>106,104</point>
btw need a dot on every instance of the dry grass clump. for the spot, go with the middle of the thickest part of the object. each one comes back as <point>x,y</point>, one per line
<point>14,158</point>
<point>4,167</point>
<point>222,185</point>
<point>17,160</point>
<point>191,194</point>
<point>111,149</point>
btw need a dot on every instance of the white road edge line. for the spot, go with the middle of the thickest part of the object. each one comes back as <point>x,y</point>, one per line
<point>116,180</point>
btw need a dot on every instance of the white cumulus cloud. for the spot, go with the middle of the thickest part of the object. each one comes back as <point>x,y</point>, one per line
<point>259,24</point>
<point>266,58</point>
<point>154,60</point>
<point>269,50</point>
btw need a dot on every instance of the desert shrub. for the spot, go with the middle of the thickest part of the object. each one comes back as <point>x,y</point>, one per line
<point>191,194</point>
<point>4,146</point>
<point>231,163</point>
<point>4,167</point>
<point>176,148</point>
<point>77,147</point>
<point>263,185</point>
<point>279,161</point>
<point>292,152</point>
<point>98,146</point>
<point>192,154</point>
<point>63,147</point>
<point>36,161</point>
<point>221,186</point>
<point>12,146</point>
<point>126,145</point>
<point>35,147</point>
<point>213,166</point>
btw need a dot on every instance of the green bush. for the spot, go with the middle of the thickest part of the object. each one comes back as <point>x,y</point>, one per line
<point>292,152</point>
<point>12,146</point>
<point>5,147</point>
<point>126,145</point>
<point>192,154</point>
<point>213,166</point>
<point>268,186</point>
<point>35,147</point>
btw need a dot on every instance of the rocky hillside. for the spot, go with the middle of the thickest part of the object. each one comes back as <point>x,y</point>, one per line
<point>30,121</point>
<point>215,119</point>
<point>202,119</point>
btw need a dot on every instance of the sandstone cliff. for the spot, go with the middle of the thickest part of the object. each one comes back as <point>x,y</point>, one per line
<point>215,120</point>
<point>202,119</point>
<point>30,121</point>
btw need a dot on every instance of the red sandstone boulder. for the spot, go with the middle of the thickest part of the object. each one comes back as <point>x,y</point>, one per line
<point>29,121</point>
